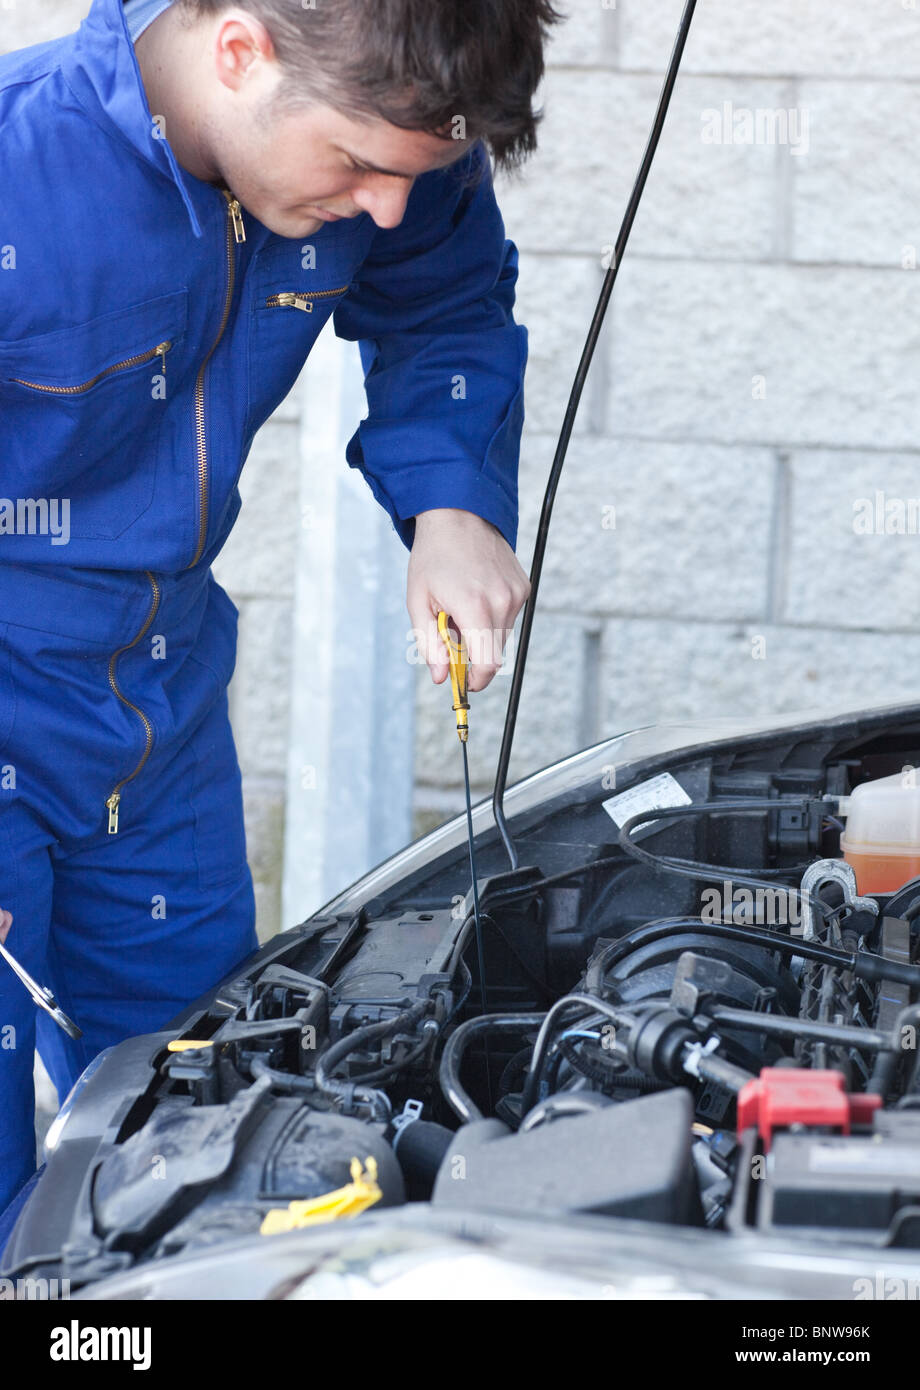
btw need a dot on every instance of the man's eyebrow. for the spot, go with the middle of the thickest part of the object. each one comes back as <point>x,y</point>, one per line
<point>375,168</point>
<point>392,173</point>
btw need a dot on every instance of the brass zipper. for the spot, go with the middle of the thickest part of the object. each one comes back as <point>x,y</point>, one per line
<point>160,350</point>
<point>300,299</point>
<point>114,798</point>
<point>236,232</point>
<point>236,216</point>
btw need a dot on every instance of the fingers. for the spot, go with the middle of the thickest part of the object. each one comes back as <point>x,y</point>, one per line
<point>436,652</point>
<point>487,622</point>
<point>427,645</point>
<point>6,921</point>
<point>463,566</point>
<point>423,614</point>
<point>485,645</point>
<point>484,639</point>
<point>484,623</point>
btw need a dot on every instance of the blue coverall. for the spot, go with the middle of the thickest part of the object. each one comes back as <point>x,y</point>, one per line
<point>149,327</point>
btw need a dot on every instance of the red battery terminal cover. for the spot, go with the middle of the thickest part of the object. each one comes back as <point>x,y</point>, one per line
<point>782,1096</point>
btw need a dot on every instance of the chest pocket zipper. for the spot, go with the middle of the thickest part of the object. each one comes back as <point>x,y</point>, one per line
<point>301,299</point>
<point>160,351</point>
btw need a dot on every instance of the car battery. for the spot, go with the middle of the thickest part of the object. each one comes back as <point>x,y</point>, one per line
<point>865,1184</point>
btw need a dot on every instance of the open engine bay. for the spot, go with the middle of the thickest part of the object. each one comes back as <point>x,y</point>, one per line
<point>694,1017</point>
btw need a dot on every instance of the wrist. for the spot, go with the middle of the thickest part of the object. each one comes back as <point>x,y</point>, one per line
<point>450,516</point>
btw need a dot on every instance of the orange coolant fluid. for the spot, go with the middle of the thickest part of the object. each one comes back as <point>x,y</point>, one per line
<point>882,838</point>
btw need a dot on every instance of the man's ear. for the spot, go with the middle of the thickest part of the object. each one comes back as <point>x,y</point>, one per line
<point>241,44</point>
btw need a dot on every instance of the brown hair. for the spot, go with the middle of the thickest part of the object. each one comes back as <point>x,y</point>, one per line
<point>463,67</point>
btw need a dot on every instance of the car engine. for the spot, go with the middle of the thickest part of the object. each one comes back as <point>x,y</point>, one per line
<point>693,1017</point>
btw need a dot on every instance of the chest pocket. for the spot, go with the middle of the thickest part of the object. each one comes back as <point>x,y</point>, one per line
<point>295,287</point>
<point>81,411</point>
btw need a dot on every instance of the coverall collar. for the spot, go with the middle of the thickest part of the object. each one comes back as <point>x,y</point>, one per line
<point>101,69</point>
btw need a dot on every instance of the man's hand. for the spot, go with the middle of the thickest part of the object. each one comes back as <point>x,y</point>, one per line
<point>464,565</point>
<point>6,921</point>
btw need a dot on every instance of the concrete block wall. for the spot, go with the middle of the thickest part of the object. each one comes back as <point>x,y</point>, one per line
<point>756,385</point>
<point>258,568</point>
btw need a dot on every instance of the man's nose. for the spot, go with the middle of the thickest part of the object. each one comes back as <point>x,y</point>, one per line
<point>385,199</point>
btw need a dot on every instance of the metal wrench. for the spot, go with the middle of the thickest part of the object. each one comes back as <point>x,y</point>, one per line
<point>42,995</point>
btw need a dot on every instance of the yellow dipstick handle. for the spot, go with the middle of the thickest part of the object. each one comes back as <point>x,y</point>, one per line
<point>459,666</point>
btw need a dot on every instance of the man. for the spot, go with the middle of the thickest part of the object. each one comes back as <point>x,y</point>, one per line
<point>189,191</point>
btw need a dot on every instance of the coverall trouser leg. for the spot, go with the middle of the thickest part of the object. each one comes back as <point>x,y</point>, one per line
<point>127,928</point>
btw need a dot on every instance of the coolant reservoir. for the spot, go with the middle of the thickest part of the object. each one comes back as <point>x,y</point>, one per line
<point>882,838</point>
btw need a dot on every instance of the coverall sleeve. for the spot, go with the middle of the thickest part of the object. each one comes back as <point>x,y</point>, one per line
<point>443,357</point>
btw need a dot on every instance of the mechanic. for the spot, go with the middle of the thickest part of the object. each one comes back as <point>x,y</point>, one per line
<point>191,190</point>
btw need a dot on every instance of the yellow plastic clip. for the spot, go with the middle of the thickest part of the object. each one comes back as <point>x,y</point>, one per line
<point>459,668</point>
<point>186,1044</point>
<point>356,1196</point>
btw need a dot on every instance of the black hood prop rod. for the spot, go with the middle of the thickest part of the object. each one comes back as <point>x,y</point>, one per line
<point>664,101</point>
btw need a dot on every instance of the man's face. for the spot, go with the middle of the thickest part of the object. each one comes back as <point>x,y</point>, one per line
<point>293,169</point>
<point>296,170</point>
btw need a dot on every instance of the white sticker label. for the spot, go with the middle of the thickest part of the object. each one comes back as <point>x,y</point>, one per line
<point>654,795</point>
<point>865,1156</point>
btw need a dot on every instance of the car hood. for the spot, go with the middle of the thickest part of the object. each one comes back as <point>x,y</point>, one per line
<point>417,1252</point>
